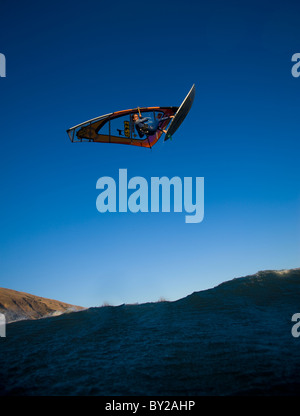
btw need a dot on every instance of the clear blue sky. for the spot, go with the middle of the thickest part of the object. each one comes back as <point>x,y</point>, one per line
<point>71,61</point>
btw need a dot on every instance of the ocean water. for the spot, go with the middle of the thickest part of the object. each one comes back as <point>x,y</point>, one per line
<point>234,339</point>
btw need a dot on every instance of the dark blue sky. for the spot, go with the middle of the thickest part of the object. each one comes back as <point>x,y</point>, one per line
<point>71,61</point>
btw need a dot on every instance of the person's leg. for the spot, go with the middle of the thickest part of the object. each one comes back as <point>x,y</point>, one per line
<point>161,121</point>
<point>153,126</point>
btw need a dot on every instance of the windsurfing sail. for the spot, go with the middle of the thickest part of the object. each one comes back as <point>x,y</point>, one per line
<point>119,127</point>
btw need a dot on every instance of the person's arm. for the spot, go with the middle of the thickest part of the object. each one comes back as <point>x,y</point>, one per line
<point>165,118</point>
<point>143,120</point>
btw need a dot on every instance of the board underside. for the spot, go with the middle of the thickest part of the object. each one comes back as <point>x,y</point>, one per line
<point>181,113</point>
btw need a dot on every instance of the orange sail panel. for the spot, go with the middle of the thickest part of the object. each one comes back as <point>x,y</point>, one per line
<point>119,127</point>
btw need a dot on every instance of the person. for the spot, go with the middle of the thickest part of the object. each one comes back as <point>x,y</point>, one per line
<point>143,128</point>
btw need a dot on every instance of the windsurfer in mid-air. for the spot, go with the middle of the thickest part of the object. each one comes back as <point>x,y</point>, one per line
<point>146,126</point>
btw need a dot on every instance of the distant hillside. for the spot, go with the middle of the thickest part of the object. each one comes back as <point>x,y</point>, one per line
<point>19,305</point>
<point>264,288</point>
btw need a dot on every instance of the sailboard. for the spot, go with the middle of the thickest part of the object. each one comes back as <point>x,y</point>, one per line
<point>181,113</point>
